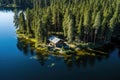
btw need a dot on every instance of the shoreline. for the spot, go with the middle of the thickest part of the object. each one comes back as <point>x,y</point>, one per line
<point>79,52</point>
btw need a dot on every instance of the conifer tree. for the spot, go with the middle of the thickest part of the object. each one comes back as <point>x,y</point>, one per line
<point>22,24</point>
<point>97,24</point>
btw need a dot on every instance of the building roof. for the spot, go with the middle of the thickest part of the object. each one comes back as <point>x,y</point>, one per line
<point>54,39</point>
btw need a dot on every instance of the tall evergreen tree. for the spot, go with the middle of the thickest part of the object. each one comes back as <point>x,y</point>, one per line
<point>97,24</point>
<point>70,32</point>
<point>22,24</point>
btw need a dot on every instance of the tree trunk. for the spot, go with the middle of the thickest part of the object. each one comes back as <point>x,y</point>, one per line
<point>84,36</point>
<point>58,22</point>
<point>87,35</point>
<point>91,34</point>
<point>95,32</point>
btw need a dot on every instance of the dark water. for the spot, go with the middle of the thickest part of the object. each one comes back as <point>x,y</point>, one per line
<point>17,63</point>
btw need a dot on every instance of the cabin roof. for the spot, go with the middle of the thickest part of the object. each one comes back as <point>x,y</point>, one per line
<point>54,39</point>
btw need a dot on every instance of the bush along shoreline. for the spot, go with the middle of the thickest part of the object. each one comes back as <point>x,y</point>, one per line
<point>79,50</point>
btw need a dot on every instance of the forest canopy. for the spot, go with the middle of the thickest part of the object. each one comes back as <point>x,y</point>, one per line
<point>93,21</point>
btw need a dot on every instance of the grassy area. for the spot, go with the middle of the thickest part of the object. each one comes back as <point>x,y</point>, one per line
<point>26,37</point>
<point>80,49</point>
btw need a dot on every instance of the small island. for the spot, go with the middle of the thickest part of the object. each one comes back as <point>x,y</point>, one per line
<point>67,26</point>
<point>72,31</point>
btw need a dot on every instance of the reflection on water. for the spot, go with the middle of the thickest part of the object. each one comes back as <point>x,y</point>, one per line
<point>20,61</point>
<point>119,52</point>
<point>27,48</point>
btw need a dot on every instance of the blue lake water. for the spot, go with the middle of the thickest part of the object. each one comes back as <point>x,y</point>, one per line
<point>16,64</point>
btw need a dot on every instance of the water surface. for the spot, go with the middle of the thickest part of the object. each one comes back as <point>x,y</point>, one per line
<point>18,63</point>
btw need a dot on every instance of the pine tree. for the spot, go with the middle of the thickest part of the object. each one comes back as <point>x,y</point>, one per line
<point>70,32</point>
<point>16,18</point>
<point>65,23</point>
<point>28,22</point>
<point>86,24</point>
<point>97,24</point>
<point>80,28</point>
<point>22,23</point>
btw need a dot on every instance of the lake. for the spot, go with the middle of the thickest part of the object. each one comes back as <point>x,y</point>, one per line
<point>18,63</point>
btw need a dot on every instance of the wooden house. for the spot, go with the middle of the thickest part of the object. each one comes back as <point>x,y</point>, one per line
<point>55,42</point>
